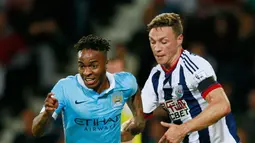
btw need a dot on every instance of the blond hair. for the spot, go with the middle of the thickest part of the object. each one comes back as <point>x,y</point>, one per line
<point>167,19</point>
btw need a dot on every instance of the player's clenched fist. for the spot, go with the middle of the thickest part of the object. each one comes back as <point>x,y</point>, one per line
<point>50,103</point>
<point>126,128</point>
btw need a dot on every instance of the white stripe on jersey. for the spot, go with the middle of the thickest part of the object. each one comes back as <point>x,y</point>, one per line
<point>177,91</point>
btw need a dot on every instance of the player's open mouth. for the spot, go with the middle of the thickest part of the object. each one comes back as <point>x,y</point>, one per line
<point>160,56</point>
<point>90,81</point>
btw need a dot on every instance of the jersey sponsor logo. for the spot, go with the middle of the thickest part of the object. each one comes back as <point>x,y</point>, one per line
<point>117,99</point>
<point>98,124</point>
<point>79,102</point>
<point>176,108</point>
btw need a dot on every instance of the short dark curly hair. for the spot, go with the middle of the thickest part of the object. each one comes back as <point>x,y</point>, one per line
<point>92,42</point>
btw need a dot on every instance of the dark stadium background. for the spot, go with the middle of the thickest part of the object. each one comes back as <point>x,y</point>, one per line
<point>36,49</point>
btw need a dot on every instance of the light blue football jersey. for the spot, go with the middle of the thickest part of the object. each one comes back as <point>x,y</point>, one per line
<point>89,117</point>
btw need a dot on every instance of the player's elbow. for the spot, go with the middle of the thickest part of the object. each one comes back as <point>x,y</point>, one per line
<point>225,108</point>
<point>35,131</point>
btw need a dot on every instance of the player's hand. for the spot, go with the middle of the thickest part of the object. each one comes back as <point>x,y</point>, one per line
<point>50,103</point>
<point>174,134</point>
<point>125,130</point>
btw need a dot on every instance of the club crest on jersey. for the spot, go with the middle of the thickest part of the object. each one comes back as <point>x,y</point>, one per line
<point>178,91</point>
<point>117,99</point>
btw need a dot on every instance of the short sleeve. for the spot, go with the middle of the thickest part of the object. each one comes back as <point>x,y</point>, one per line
<point>58,91</point>
<point>133,84</point>
<point>131,81</point>
<point>127,81</point>
<point>204,78</point>
<point>149,94</point>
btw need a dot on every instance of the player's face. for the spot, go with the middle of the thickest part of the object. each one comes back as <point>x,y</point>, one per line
<point>92,67</point>
<point>164,44</point>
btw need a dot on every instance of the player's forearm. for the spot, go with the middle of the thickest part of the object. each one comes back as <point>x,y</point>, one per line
<point>40,123</point>
<point>139,120</point>
<point>138,115</point>
<point>209,116</point>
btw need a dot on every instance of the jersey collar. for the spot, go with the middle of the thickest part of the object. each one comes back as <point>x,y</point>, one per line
<point>172,67</point>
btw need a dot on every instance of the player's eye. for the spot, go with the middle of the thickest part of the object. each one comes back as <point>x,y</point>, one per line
<point>164,42</point>
<point>81,66</point>
<point>94,66</point>
<point>152,42</point>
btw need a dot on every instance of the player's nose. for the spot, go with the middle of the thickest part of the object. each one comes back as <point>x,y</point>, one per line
<point>157,48</point>
<point>87,71</point>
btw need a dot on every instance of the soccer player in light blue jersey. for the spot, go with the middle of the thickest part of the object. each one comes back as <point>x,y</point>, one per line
<point>91,101</point>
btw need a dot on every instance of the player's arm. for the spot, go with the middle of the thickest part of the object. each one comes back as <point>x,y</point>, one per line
<point>40,124</point>
<point>149,95</point>
<point>43,120</point>
<point>135,125</point>
<point>135,105</point>
<point>218,107</point>
<point>203,80</point>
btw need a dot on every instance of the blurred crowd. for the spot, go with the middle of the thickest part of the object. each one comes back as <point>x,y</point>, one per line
<point>36,49</point>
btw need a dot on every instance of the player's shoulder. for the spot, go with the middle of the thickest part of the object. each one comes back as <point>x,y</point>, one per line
<point>191,56</point>
<point>156,67</point>
<point>196,66</point>
<point>156,70</point>
<point>124,79</point>
<point>124,76</point>
<point>70,79</point>
<point>194,60</point>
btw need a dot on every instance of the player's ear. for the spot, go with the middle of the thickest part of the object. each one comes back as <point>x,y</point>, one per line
<point>179,40</point>
<point>106,64</point>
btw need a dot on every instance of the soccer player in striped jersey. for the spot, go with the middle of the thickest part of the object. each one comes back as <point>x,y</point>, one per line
<point>186,86</point>
<point>91,101</point>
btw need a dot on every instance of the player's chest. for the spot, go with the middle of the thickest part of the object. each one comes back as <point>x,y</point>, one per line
<point>173,89</point>
<point>88,104</point>
<point>173,86</point>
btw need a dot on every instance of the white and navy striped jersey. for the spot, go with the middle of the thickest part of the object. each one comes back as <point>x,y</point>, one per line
<point>182,91</point>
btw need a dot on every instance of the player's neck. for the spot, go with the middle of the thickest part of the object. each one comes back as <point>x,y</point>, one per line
<point>174,59</point>
<point>104,85</point>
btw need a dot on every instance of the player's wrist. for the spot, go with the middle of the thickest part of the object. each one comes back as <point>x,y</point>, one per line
<point>47,114</point>
<point>185,128</point>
